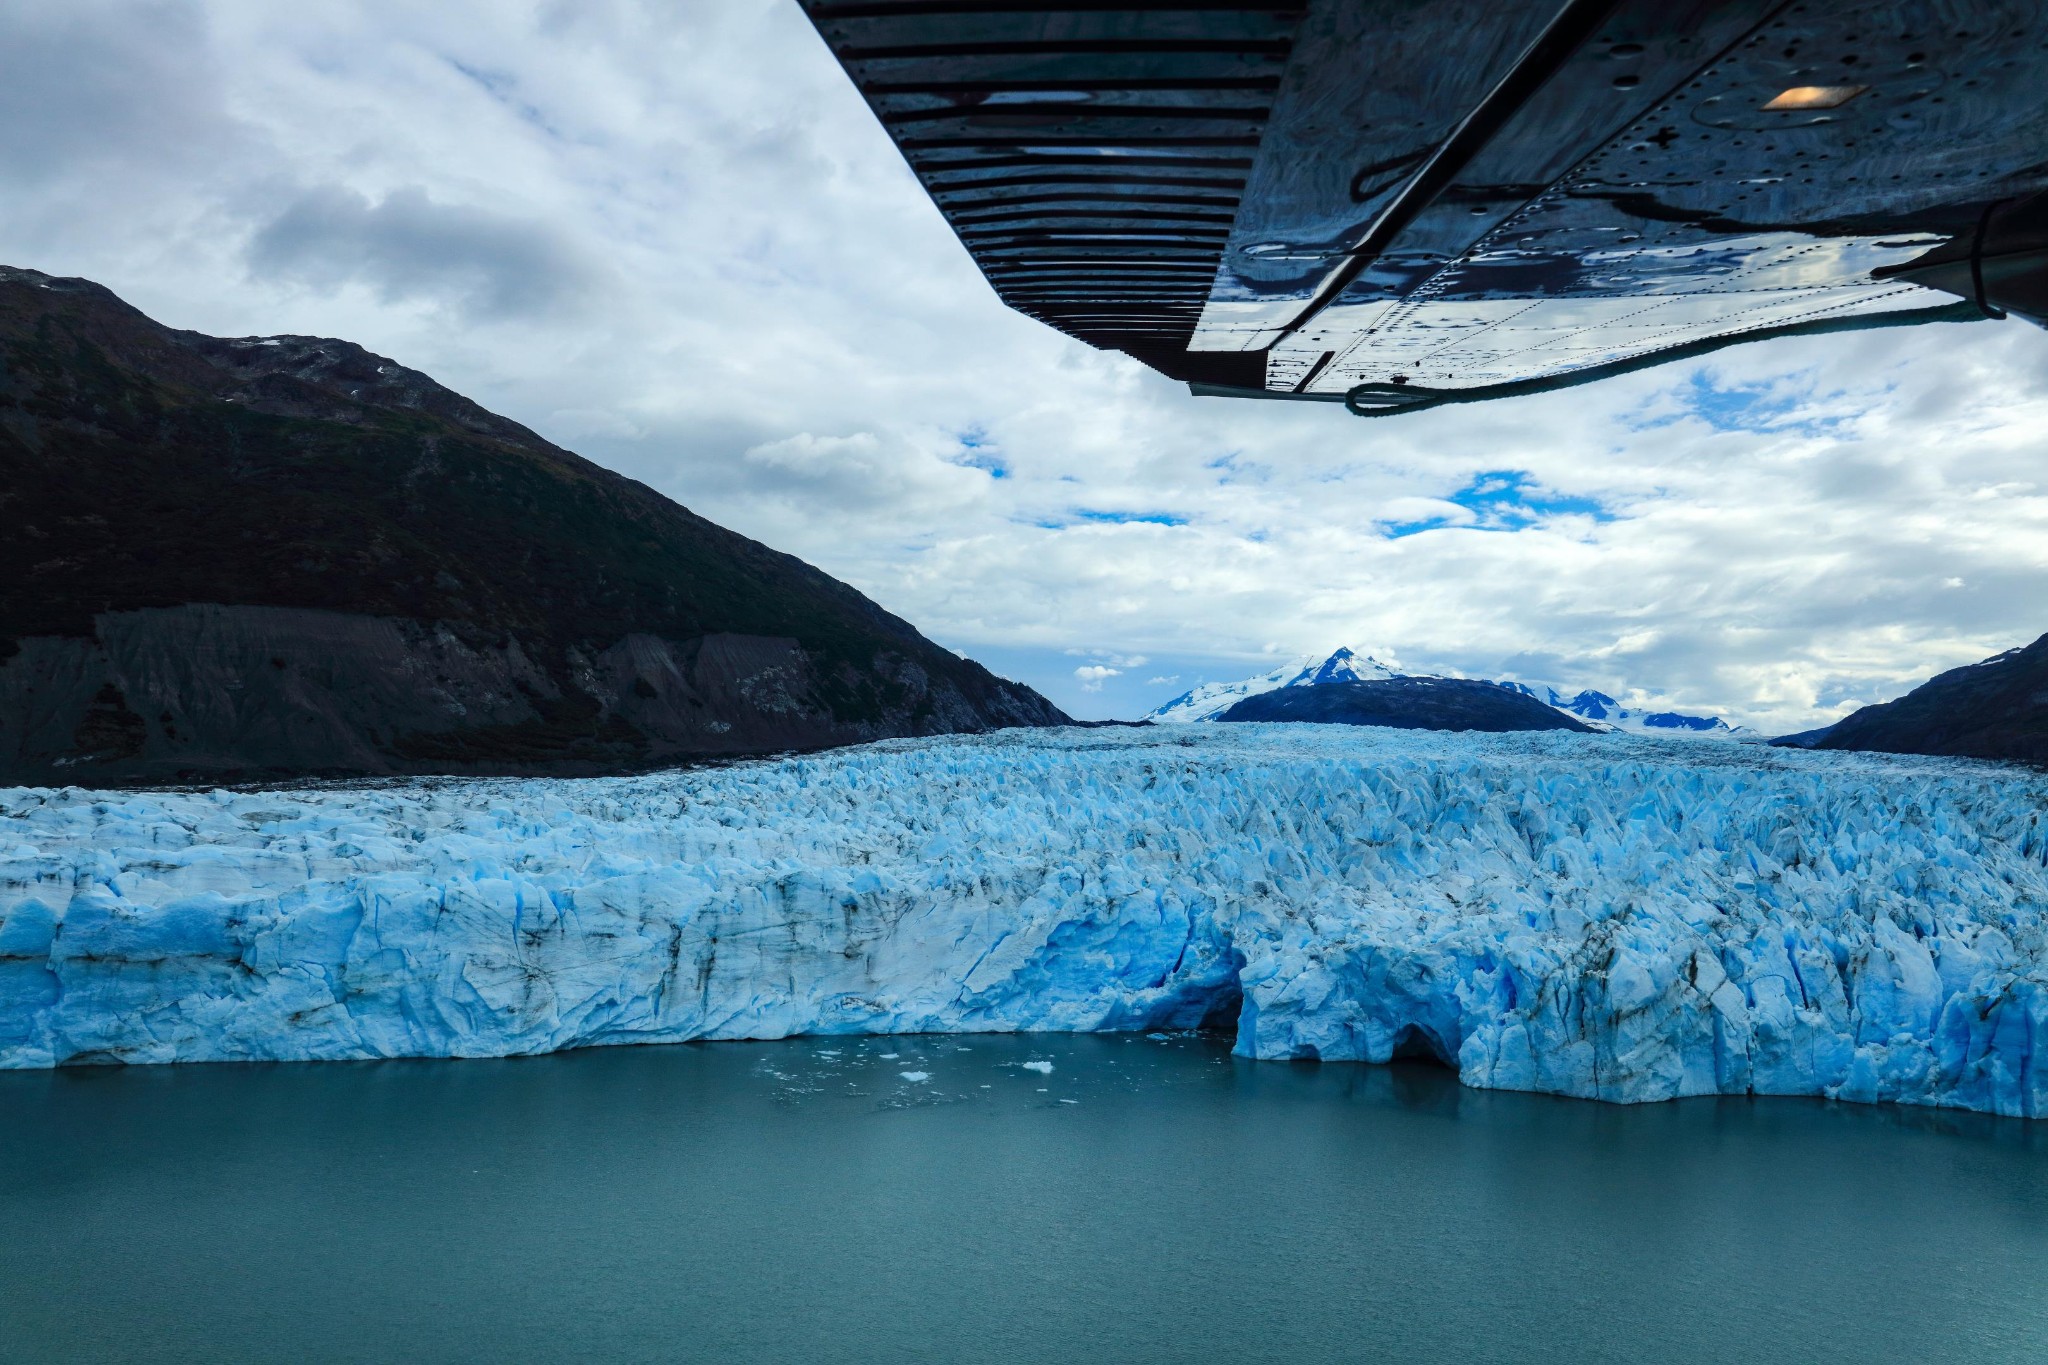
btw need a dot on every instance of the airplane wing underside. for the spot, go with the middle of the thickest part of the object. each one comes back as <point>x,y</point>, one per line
<point>1395,203</point>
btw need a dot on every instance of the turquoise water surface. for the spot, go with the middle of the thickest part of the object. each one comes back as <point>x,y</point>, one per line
<point>983,1198</point>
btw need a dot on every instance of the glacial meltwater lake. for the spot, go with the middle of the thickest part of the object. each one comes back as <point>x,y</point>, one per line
<point>986,1198</point>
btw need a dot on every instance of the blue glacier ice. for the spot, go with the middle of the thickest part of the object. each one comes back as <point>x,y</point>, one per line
<point>1618,918</point>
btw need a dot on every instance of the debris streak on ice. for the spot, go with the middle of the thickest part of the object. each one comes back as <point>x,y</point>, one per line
<point>1614,918</point>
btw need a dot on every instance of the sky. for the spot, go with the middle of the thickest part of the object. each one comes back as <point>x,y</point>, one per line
<point>669,236</point>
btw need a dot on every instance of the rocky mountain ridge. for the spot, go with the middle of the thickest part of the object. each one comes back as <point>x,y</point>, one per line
<point>1997,708</point>
<point>276,556</point>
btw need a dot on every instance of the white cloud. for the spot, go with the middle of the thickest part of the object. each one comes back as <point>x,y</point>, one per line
<point>483,263</point>
<point>672,236</point>
<point>1109,656</point>
<point>1092,676</point>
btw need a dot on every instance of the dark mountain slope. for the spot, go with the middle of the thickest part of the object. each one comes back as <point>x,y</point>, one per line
<point>1407,704</point>
<point>287,555</point>
<point>1994,709</point>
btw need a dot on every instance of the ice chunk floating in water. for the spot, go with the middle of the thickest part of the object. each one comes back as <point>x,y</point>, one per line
<point>1613,918</point>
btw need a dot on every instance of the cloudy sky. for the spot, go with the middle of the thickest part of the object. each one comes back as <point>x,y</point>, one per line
<point>669,236</point>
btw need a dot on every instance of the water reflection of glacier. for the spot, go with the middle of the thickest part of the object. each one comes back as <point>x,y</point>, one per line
<point>1619,919</point>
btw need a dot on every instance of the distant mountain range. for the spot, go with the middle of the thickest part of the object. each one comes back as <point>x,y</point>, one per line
<point>1596,710</point>
<point>275,556</point>
<point>1210,700</point>
<point>1605,713</point>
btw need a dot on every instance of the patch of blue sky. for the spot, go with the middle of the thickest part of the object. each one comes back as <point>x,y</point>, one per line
<point>1780,405</point>
<point>978,452</point>
<point>1504,500</point>
<point>1234,468</point>
<point>1078,515</point>
<point>1128,518</point>
<point>1395,530</point>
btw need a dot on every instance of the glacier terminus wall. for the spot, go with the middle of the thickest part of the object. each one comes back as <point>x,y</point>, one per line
<point>1606,917</point>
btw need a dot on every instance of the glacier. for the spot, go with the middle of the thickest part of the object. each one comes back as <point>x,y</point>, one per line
<point>1617,918</point>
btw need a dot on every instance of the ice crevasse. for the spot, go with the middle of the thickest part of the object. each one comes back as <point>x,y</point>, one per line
<point>1611,918</point>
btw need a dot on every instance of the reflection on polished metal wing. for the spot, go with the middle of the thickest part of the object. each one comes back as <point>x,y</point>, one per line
<point>1397,203</point>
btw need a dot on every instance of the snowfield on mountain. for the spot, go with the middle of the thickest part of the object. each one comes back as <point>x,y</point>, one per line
<point>1603,916</point>
<point>1210,700</point>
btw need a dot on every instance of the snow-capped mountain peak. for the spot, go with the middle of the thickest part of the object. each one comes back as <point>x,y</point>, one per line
<point>1344,665</point>
<point>1588,704</point>
<point>1212,699</point>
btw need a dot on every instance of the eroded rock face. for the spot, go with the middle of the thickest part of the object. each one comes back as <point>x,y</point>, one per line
<point>271,556</point>
<point>212,692</point>
<point>1622,919</point>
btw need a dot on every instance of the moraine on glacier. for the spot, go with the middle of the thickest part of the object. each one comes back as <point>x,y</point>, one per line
<point>1616,918</point>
